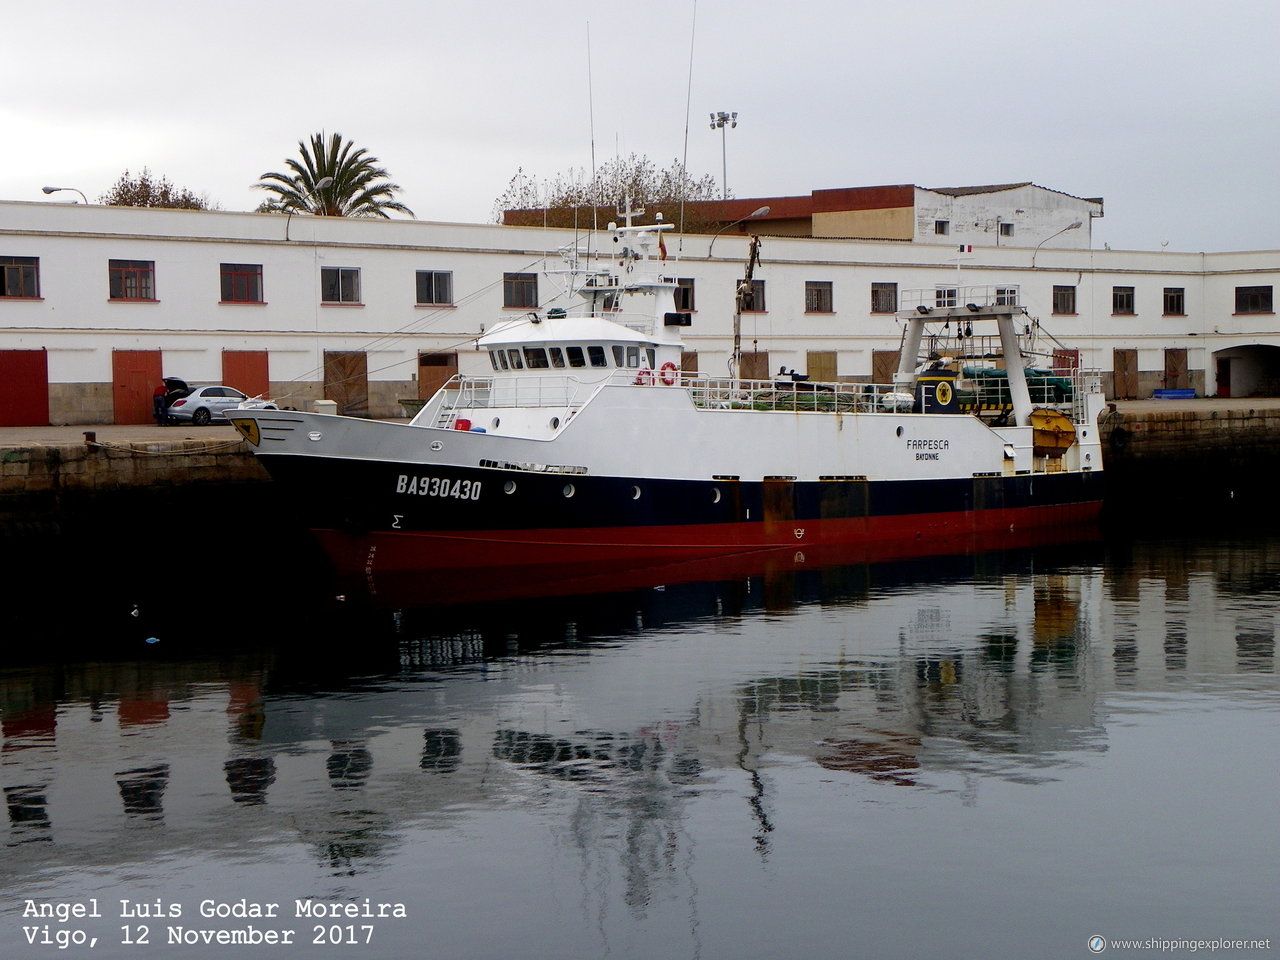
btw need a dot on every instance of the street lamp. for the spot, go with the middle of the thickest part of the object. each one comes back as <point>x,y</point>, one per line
<point>72,189</point>
<point>1071,226</point>
<point>320,185</point>
<point>759,212</point>
<point>719,121</point>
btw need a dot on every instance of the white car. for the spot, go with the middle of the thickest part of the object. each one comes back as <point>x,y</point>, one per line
<point>204,405</point>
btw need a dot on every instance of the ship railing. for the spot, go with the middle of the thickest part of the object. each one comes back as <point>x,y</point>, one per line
<point>463,394</point>
<point>711,393</point>
<point>946,295</point>
<point>983,392</point>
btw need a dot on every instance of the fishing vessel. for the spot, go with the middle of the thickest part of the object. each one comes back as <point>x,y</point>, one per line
<point>586,441</point>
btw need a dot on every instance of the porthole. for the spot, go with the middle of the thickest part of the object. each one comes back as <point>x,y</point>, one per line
<point>315,435</point>
<point>509,487</point>
<point>715,494</point>
<point>568,490</point>
<point>899,431</point>
<point>493,425</point>
<point>635,493</point>
<point>437,445</point>
<point>555,423</point>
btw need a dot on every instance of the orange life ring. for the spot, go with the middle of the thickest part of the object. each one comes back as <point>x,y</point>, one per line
<point>644,378</point>
<point>669,373</point>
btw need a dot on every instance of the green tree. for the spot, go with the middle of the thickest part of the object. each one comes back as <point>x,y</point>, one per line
<point>148,190</point>
<point>556,202</point>
<point>359,187</point>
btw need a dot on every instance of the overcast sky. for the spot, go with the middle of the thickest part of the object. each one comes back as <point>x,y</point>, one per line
<point>1168,109</point>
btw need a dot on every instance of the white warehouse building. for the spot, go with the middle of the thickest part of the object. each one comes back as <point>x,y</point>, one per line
<point>99,303</point>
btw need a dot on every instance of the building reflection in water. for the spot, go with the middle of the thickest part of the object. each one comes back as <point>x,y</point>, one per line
<point>627,705</point>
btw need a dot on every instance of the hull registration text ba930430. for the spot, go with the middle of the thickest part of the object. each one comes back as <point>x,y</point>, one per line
<point>438,487</point>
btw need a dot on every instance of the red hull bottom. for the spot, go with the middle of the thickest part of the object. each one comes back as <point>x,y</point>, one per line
<point>374,556</point>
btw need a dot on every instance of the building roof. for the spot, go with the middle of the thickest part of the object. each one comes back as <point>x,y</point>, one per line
<point>1001,187</point>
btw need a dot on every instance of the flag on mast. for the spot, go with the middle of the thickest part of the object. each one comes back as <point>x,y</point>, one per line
<point>966,248</point>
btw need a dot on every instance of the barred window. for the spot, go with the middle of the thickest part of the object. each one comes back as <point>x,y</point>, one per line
<point>817,296</point>
<point>753,298</point>
<point>884,298</point>
<point>1175,302</point>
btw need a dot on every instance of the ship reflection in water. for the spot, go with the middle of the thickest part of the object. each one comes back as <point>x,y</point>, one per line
<point>984,753</point>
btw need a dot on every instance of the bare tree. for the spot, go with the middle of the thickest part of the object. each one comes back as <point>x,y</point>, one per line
<point>148,190</point>
<point>566,198</point>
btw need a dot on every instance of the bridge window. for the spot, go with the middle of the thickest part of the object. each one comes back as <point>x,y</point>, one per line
<point>535,358</point>
<point>514,356</point>
<point>557,356</point>
<point>576,356</point>
<point>597,356</point>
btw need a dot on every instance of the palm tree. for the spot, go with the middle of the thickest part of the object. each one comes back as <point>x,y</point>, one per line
<point>358,187</point>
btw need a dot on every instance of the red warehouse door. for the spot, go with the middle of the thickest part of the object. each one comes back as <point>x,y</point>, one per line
<point>246,370</point>
<point>135,376</point>
<point>24,388</point>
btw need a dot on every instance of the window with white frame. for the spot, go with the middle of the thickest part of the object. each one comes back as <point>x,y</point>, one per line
<point>434,287</point>
<point>340,284</point>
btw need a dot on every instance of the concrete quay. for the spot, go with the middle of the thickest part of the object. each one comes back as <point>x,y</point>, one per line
<point>1204,441</point>
<point>42,468</point>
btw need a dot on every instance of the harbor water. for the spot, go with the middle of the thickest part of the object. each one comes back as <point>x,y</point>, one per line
<point>212,749</point>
